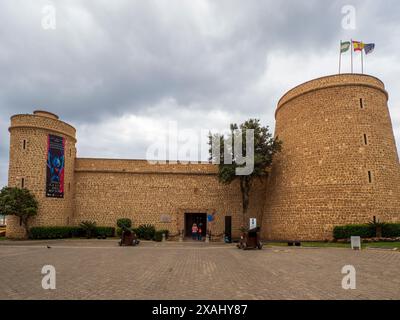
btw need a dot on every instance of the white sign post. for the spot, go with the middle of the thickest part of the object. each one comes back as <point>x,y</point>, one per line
<point>356,243</point>
<point>253,223</point>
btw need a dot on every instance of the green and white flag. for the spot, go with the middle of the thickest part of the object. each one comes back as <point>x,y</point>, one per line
<point>344,46</point>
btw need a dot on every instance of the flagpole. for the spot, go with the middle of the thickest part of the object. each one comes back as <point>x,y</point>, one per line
<point>340,55</point>
<point>362,61</point>
<point>351,55</point>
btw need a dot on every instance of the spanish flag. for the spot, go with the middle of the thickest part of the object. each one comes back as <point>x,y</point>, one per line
<point>358,46</point>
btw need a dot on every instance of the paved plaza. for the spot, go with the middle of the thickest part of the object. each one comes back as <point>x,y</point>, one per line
<point>99,269</point>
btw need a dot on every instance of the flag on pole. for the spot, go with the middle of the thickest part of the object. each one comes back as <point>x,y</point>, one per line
<point>358,46</point>
<point>344,46</point>
<point>369,48</point>
<point>351,51</point>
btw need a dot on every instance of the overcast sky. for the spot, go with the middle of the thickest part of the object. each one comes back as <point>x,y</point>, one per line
<point>119,71</point>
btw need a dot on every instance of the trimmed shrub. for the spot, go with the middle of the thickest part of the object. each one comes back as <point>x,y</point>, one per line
<point>145,231</point>
<point>67,232</point>
<point>124,222</point>
<point>361,230</point>
<point>119,231</point>
<point>158,235</point>
<point>105,231</point>
<point>55,232</point>
<point>389,230</point>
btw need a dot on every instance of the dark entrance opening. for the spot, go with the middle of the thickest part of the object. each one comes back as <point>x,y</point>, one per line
<point>198,218</point>
<point>228,228</point>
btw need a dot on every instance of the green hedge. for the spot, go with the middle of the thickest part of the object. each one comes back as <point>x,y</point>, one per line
<point>158,236</point>
<point>105,231</point>
<point>145,231</point>
<point>67,232</point>
<point>142,235</point>
<point>390,230</point>
<point>119,231</point>
<point>55,232</point>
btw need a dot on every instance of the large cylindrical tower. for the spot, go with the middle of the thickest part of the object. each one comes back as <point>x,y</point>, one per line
<point>32,136</point>
<point>339,164</point>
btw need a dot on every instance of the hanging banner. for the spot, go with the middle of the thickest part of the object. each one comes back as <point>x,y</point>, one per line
<point>55,167</point>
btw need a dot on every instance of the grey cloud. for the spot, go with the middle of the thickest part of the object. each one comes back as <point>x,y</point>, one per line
<point>126,57</point>
<point>135,55</point>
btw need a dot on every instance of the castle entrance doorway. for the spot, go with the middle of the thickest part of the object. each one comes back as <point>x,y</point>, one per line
<point>198,218</point>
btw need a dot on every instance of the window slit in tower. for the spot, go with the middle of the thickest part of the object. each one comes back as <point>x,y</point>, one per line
<point>22,183</point>
<point>365,139</point>
<point>361,104</point>
<point>24,144</point>
<point>369,176</point>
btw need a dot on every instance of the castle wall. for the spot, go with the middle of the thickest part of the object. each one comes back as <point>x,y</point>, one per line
<point>339,165</point>
<point>110,189</point>
<point>28,166</point>
<point>321,177</point>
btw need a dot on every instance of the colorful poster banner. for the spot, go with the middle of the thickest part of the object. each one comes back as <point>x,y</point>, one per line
<point>55,167</point>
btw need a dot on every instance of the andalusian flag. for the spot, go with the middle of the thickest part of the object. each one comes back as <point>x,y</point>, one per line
<point>344,46</point>
<point>358,46</point>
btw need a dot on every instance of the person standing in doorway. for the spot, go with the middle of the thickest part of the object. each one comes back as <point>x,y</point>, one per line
<point>194,231</point>
<point>199,231</point>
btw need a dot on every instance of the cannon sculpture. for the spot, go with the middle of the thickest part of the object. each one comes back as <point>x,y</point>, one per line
<point>128,236</point>
<point>250,240</point>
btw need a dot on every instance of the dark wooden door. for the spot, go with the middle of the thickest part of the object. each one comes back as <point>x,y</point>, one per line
<point>228,227</point>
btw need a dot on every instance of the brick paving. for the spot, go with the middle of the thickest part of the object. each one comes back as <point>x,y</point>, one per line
<point>99,269</point>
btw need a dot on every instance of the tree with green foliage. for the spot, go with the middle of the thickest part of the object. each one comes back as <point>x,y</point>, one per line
<point>18,202</point>
<point>222,151</point>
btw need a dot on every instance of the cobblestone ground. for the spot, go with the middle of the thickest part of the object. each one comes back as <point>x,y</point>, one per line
<point>101,270</point>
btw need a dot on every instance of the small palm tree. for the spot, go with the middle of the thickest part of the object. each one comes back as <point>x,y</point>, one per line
<point>378,226</point>
<point>89,227</point>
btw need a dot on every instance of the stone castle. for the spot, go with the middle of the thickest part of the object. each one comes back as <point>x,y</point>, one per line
<point>339,165</point>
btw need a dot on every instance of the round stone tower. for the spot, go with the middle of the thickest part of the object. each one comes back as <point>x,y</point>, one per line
<point>31,136</point>
<point>339,164</point>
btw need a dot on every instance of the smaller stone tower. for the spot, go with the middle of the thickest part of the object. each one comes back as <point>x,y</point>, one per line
<point>29,143</point>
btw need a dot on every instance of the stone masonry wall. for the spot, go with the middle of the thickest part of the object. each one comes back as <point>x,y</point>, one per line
<point>110,189</point>
<point>332,142</point>
<point>339,165</point>
<point>29,164</point>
